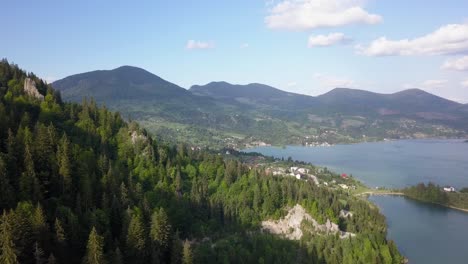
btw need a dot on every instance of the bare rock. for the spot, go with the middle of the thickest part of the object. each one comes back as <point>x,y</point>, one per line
<point>31,90</point>
<point>290,225</point>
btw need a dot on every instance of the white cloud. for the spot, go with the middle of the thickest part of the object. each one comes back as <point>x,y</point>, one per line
<point>434,83</point>
<point>328,40</point>
<point>449,39</point>
<point>464,83</point>
<point>328,81</point>
<point>458,64</point>
<point>244,45</point>
<point>193,44</point>
<point>310,14</point>
<point>291,84</point>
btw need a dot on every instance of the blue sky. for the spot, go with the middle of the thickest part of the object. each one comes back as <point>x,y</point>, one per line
<point>304,46</point>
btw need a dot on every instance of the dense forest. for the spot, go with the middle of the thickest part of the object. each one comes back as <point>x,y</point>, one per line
<point>78,184</point>
<point>433,193</point>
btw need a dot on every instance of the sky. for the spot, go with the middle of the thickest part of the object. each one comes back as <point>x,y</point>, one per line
<point>302,46</point>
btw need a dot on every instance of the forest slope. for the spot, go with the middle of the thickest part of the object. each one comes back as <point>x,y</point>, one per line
<point>80,185</point>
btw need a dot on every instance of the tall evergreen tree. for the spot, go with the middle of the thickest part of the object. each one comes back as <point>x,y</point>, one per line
<point>6,190</point>
<point>59,231</point>
<point>136,239</point>
<point>160,228</point>
<point>159,233</point>
<point>187,257</point>
<point>29,184</point>
<point>38,254</point>
<point>7,252</point>
<point>94,249</point>
<point>63,158</point>
<point>176,249</point>
<point>11,158</point>
<point>60,239</point>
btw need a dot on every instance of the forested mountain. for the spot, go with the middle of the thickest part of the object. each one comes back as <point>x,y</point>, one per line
<point>78,184</point>
<point>255,94</point>
<point>125,82</point>
<point>220,114</point>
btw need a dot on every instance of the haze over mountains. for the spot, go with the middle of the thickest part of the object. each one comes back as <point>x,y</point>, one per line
<point>259,112</point>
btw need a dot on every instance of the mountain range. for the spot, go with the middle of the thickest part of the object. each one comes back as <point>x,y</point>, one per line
<point>220,113</point>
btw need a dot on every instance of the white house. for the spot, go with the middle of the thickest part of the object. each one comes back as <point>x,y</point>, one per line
<point>449,189</point>
<point>344,186</point>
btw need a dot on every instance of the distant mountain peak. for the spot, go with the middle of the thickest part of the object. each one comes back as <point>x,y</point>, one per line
<point>124,67</point>
<point>124,82</point>
<point>414,91</point>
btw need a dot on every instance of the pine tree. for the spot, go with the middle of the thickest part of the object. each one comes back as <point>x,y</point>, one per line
<point>6,190</point>
<point>11,159</point>
<point>7,252</point>
<point>94,249</point>
<point>178,182</point>
<point>59,231</point>
<point>187,257</point>
<point>38,254</point>
<point>63,158</point>
<point>60,239</point>
<point>136,238</point>
<point>124,197</point>
<point>39,222</point>
<point>160,228</point>
<point>29,184</point>
<point>176,249</point>
<point>39,227</point>
<point>159,233</point>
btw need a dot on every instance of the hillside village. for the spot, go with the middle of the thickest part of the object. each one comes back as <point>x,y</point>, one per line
<point>309,173</point>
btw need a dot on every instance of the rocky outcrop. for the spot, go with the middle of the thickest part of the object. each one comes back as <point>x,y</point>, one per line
<point>346,214</point>
<point>31,90</point>
<point>291,225</point>
<point>136,137</point>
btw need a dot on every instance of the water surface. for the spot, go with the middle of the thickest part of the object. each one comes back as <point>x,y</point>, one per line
<point>393,164</point>
<point>425,233</point>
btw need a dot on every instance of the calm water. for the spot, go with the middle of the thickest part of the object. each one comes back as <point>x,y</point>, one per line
<point>424,233</point>
<point>391,164</point>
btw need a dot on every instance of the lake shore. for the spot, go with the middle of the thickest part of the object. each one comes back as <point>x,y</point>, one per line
<point>395,193</point>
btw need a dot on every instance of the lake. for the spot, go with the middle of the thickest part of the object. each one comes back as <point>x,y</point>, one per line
<point>392,164</point>
<point>424,233</point>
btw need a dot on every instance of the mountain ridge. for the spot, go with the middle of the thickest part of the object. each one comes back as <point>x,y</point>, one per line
<point>257,112</point>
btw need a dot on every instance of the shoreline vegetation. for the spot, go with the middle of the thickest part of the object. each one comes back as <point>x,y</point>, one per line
<point>429,193</point>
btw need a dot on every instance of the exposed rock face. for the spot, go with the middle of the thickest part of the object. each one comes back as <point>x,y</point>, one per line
<point>136,137</point>
<point>346,214</point>
<point>31,90</point>
<point>290,225</point>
